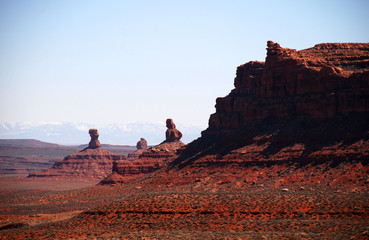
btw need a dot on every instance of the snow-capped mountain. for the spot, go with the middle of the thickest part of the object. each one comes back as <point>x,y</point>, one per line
<point>69,133</point>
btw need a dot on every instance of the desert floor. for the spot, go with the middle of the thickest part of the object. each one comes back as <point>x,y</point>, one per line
<point>233,203</point>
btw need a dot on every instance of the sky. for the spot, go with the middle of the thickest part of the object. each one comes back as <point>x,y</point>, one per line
<point>145,61</point>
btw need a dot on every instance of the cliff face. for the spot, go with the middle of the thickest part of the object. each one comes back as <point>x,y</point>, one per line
<point>126,168</point>
<point>316,83</point>
<point>308,105</point>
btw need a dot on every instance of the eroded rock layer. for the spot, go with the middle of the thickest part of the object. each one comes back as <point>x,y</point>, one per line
<point>88,163</point>
<point>318,83</point>
<point>126,168</point>
<point>141,147</point>
<point>92,162</point>
<point>149,161</point>
<point>303,105</point>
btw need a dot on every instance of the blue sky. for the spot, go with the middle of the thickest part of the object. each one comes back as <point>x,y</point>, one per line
<point>127,61</point>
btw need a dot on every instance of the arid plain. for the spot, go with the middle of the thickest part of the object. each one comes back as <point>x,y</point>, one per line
<point>285,156</point>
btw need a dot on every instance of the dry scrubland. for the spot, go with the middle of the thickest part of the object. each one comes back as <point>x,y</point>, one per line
<point>255,202</point>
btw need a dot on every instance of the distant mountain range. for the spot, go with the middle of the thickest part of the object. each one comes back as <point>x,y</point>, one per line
<point>30,143</point>
<point>72,133</point>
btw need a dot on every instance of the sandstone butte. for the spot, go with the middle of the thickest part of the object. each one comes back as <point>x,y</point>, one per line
<point>307,105</point>
<point>92,162</point>
<point>285,156</point>
<point>146,160</point>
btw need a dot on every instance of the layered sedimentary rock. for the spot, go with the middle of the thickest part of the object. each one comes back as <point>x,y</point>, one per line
<point>163,150</point>
<point>168,148</point>
<point>311,104</point>
<point>148,160</point>
<point>141,147</point>
<point>125,168</point>
<point>92,162</point>
<point>317,83</point>
<point>113,178</point>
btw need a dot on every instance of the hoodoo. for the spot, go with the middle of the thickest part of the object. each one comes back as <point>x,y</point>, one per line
<point>147,160</point>
<point>285,156</point>
<point>92,162</point>
<point>169,147</point>
<point>142,144</point>
<point>94,143</point>
<point>172,134</point>
<point>141,147</point>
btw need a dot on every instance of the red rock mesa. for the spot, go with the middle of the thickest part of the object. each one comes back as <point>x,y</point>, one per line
<point>317,83</point>
<point>92,162</point>
<point>285,156</point>
<point>297,105</point>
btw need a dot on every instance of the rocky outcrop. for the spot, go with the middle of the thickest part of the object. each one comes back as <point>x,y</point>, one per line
<point>113,178</point>
<point>141,147</point>
<point>92,162</point>
<point>123,170</point>
<point>311,100</point>
<point>94,143</point>
<point>148,160</point>
<point>163,150</point>
<point>316,83</point>
<point>142,144</point>
<point>172,134</point>
<point>126,168</point>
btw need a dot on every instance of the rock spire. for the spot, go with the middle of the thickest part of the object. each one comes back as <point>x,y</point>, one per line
<point>142,144</point>
<point>94,143</point>
<point>92,162</point>
<point>172,134</point>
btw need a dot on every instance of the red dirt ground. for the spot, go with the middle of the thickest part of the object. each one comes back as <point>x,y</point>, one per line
<point>281,201</point>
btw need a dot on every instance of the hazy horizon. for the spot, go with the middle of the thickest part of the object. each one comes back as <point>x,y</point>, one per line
<point>145,61</point>
<point>76,133</point>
